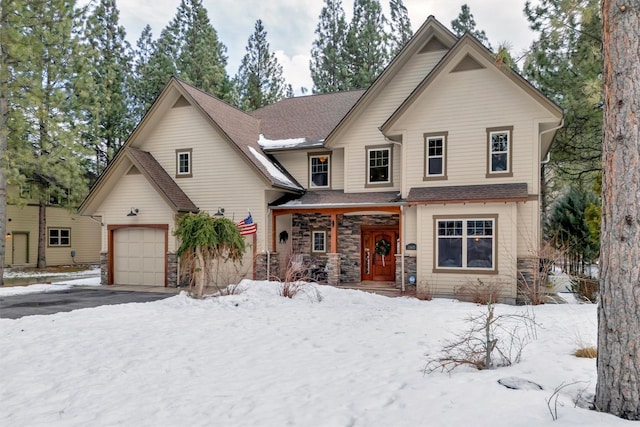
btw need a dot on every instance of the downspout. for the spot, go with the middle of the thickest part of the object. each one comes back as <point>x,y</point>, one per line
<point>402,246</point>
<point>266,246</point>
<point>544,162</point>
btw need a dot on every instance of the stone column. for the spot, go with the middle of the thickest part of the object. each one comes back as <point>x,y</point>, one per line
<point>172,271</point>
<point>333,269</point>
<point>104,272</point>
<point>261,266</point>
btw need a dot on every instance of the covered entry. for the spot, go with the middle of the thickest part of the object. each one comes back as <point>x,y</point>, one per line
<point>378,253</point>
<point>139,255</point>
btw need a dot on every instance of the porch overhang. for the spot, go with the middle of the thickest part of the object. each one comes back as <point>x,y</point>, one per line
<point>334,203</point>
<point>461,194</point>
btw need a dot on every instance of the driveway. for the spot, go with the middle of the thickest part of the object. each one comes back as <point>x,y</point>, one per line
<point>14,307</point>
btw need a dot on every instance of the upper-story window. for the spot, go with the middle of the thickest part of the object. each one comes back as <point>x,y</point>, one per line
<point>435,152</point>
<point>25,191</point>
<point>379,166</point>
<point>319,170</point>
<point>183,163</point>
<point>500,151</point>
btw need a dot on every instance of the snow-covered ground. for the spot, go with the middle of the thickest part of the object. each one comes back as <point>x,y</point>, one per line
<point>258,359</point>
<point>89,278</point>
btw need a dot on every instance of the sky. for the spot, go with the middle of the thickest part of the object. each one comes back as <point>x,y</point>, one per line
<point>326,357</point>
<point>290,25</point>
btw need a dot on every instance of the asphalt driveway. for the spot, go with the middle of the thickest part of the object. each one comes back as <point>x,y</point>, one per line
<point>16,306</point>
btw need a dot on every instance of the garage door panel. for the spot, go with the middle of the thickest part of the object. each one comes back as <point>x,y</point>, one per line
<point>139,256</point>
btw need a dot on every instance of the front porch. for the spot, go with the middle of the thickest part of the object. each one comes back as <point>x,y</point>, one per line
<point>387,289</point>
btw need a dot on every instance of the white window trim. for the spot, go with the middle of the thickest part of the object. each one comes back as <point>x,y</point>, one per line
<point>313,241</point>
<point>389,172</point>
<point>443,138</point>
<point>491,152</point>
<point>311,184</point>
<point>464,238</point>
<point>188,153</point>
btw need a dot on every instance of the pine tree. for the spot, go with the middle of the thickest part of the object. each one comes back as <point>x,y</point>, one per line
<point>328,69</point>
<point>465,22</point>
<point>109,120</point>
<point>259,81</point>
<point>14,46</point>
<point>400,24</point>
<point>618,363</point>
<point>366,46</point>
<point>142,86</point>
<point>565,63</point>
<point>192,44</point>
<point>44,146</point>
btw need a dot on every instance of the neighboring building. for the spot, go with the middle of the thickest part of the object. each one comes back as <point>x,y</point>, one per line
<point>70,239</point>
<point>434,170</point>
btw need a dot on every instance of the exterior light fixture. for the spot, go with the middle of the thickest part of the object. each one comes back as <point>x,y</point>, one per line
<point>8,235</point>
<point>133,212</point>
<point>220,212</point>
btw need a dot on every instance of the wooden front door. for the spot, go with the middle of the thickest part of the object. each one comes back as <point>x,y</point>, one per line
<point>378,254</point>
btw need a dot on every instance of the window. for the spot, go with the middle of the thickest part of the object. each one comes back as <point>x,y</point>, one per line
<point>435,148</point>
<point>58,197</point>
<point>465,244</point>
<point>379,166</point>
<point>318,241</point>
<point>25,191</point>
<point>59,237</point>
<point>500,147</point>
<point>319,171</point>
<point>183,163</point>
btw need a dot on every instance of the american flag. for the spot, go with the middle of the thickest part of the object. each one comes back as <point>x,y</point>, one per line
<point>247,226</point>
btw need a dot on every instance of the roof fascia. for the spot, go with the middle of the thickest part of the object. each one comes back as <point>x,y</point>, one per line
<point>474,45</point>
<point>430,28</point>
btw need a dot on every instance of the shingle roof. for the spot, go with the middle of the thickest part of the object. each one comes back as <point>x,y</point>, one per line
<point>243,132</point>
<point>161,180</point>
<point>310,117</point>
<point>469,193</point>
<point>338,198</point>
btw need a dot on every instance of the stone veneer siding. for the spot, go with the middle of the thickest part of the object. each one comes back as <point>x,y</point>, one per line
<point>261,266</point>
<point>104,268</point>
<point>348,239</point>
<point>410,269</point>
<point>528,271</point>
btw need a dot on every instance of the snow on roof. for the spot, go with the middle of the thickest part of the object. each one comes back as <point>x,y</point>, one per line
<point>273,170</point>
<point>280,143</point>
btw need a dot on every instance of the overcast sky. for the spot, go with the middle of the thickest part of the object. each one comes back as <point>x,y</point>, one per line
<point>290,25</point>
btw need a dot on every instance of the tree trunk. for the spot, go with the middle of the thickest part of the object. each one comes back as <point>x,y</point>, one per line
<point>42,234</point>
<point>618,387</point>
<point>199,273</point>
<point>4,134</point>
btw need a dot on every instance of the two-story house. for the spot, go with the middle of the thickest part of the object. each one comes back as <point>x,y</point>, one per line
<point>433,171</point>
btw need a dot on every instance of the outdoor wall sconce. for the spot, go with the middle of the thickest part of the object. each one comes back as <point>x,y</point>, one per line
<point>8,234</point>
<point>133,212</point>
<point>219,213</point>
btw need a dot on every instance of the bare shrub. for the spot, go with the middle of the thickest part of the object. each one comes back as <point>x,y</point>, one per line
<point>426,290</point>
<point>231,290</point>
<point>296,279</point>
<point>479,292</point>
<point>532,285</point>
<point>586,288</point>
<point>491,341</point>
<point>290,289</point>
<point>586,352</point>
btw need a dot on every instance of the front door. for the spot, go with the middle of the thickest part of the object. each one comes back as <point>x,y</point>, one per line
<point>20,248</point>
<point>378,254</point>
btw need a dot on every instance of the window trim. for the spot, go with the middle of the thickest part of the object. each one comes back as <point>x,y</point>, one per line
<point>189,152</point>
<point>58,229</point>
<point>443,175</point>
<point>311,156</point>
<point>25,191</point>
<point>368,150</point>
<point>509,171</point>
<point>464,219</point>
<point>313,233</point>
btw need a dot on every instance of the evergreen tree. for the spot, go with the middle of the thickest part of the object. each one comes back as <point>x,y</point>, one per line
<point>109,120</point>
<point>366,45</point>
<point>328,68</point>
<point>192,44</point>
<point>465,22</point>
<point>44,142</point>
<point>143,85</point>
<point>14,47</point>
<point>259,81</point>
<point>565,63</point>
<point>400,25</point>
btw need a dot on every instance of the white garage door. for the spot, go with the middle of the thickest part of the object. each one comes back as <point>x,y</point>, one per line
<point>139,256</point>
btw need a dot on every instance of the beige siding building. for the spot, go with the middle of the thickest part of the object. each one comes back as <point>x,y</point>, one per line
<point>430,177</point>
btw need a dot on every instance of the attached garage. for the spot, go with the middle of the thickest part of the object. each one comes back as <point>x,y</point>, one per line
<point>139,255</point>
